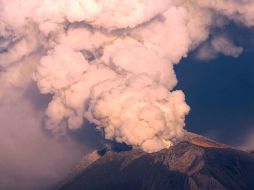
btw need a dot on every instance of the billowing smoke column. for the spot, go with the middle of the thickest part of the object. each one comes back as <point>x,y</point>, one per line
<point>111,61</point>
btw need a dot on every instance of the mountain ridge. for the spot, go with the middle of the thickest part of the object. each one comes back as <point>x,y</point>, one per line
<point>193,163</point>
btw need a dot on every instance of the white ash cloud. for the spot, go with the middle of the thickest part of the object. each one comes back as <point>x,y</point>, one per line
<point>144,114</point>
<point>111,62</point>
<point>218,45</point>
<point>225,46</point>
<point>30,158</point>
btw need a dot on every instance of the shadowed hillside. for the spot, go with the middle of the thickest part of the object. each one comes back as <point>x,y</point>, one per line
<point>194,163</point>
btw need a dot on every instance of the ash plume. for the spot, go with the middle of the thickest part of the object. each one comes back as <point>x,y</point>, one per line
<point>111,62</point>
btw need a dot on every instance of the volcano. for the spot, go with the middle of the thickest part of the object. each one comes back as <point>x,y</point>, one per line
<point>193,163</point>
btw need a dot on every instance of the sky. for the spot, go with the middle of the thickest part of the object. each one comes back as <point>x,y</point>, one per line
<point>220,91</point>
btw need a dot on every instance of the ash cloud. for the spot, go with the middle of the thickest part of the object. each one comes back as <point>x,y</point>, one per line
<point>30,158</point>
<point>110,63</point>
<point>218,45</point>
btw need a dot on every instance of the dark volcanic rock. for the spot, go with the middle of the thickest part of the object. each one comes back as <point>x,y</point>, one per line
<point>185,166</point>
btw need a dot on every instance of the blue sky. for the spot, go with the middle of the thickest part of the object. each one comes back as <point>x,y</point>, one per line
<point>221,95</point>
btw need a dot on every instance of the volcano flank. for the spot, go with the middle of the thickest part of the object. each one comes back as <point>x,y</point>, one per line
<point>193,163</point>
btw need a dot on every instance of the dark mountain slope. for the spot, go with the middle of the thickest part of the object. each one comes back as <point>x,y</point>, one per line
<point>196,163</point>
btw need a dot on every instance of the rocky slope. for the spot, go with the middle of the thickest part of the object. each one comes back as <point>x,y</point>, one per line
<point>194,163</point>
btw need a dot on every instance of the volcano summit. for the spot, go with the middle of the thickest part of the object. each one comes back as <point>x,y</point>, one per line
<point>194,163</point>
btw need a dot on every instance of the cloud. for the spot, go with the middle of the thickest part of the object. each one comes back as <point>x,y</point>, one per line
<point>30,158</point>
<point>218,45</point>
<point>81,56</point>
